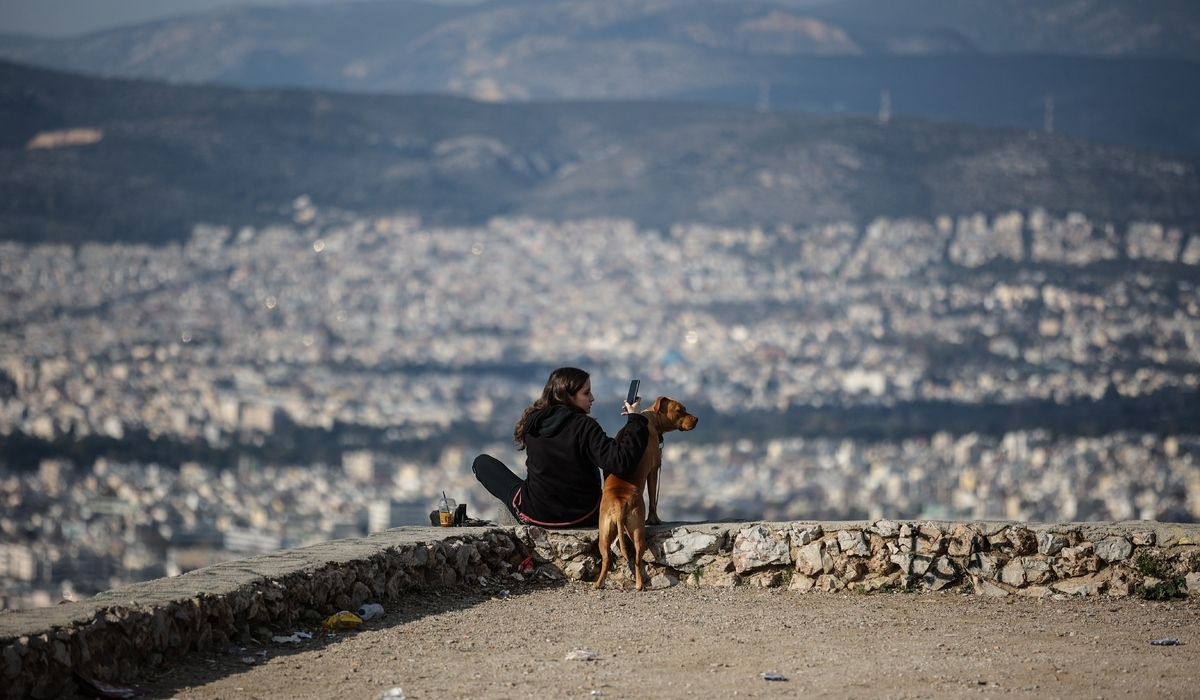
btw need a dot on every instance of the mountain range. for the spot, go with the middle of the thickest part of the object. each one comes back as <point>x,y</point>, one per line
<point>1109,70</point>
<point>110,159</point>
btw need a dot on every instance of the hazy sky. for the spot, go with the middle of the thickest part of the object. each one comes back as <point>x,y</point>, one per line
<point>71,17</point>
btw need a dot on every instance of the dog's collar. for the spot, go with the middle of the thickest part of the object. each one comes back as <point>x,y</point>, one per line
<point>653,417</point>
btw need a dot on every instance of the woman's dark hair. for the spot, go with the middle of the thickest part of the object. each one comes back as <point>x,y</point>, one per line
<point>562,385</point>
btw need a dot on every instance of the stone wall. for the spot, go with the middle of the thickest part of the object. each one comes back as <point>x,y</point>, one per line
<point>121,634</point>
<point>984,558</point>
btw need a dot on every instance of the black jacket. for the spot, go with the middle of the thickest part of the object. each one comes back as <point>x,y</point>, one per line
<point>565,449</point>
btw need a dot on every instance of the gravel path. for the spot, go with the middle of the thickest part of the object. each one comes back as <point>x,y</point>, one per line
<point>687,642</point>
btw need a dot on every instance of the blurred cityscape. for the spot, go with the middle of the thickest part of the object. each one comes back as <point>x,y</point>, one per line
<point>69,532</point>
<point>163,408</point>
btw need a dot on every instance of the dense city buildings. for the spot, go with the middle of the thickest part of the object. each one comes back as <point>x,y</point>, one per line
<point>437,338</point>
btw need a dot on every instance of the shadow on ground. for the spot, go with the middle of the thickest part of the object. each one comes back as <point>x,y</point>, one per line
<point>199,668</point>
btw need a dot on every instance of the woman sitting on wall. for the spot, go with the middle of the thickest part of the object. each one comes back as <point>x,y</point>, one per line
<point>566,451</point>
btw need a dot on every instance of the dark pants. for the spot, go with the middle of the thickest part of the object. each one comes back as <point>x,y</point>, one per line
<point>497,479</point>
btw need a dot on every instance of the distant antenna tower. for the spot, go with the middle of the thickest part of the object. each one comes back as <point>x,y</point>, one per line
<point>885,106</point>
<point>1048,117</point>
<point>764,95</point>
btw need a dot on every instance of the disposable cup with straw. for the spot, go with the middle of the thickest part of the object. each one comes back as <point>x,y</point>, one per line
<point>446,508</point>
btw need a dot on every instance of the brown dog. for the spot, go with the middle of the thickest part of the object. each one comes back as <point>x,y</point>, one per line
<point>622,509</point>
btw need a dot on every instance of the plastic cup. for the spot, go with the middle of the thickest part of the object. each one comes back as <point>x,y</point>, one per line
<point>446,512</point>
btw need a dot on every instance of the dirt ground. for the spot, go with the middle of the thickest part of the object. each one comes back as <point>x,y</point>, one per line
<point>687,642</point>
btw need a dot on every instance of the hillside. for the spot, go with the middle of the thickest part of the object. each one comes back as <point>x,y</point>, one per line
<point>1160,29</point>
<point>1117,75</point>
<point>173,155</point>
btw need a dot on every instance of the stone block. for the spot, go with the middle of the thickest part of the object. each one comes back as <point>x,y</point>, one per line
<point>1120,584</point>
<point>852,570</point>
<point>1113,549</point>
<point>726,579</point>
<point>943,573</point>
<point>801,583</point>
<point>983,564</point>
<point>920,564</point>
<point>756,547</point>
<point>912,564</point>
<point>580,569</point>
<point>812,559</point>
<point>880,562</point>
<point>877,544</point>
<point>664,580</point>
<point>875,583</point>
<point>853,542</point>
<point>719,573</point>
<point>359,594</point>
<point>1050,543</point>
<point>85,652</point>
<point>801,536</point>
<point>537,541</point>
<point>567,546</point>
<point>930,539</point>
<point>1013,574</point>
<point>683,548</point>
<point>829,583</point>
<point>1192,581</point>
<point>12,662</point>
<point>1037,570</point>
<point>1077,561</point>
<point>988,589</point>
<point>884,528</point>
<point>771,578</point>
<point>1021,540</point>
<point>1072,588</point>
<point>991,527</point>
<point>60,654</point>
<point>1144,539</point>
<point>415,557</point>
<point>963,540</point>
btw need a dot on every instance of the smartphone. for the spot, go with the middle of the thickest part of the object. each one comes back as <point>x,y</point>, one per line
<point>633,391</point>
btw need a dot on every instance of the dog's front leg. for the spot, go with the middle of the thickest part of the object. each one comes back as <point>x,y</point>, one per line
<point>652,492</point>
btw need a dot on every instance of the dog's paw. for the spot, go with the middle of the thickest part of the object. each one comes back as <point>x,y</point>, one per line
<point>653,520</point>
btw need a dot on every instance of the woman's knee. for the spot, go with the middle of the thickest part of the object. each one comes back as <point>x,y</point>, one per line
<point>481,459</point>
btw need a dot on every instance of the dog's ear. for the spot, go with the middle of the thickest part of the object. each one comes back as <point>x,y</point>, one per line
<point>660,404</point>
